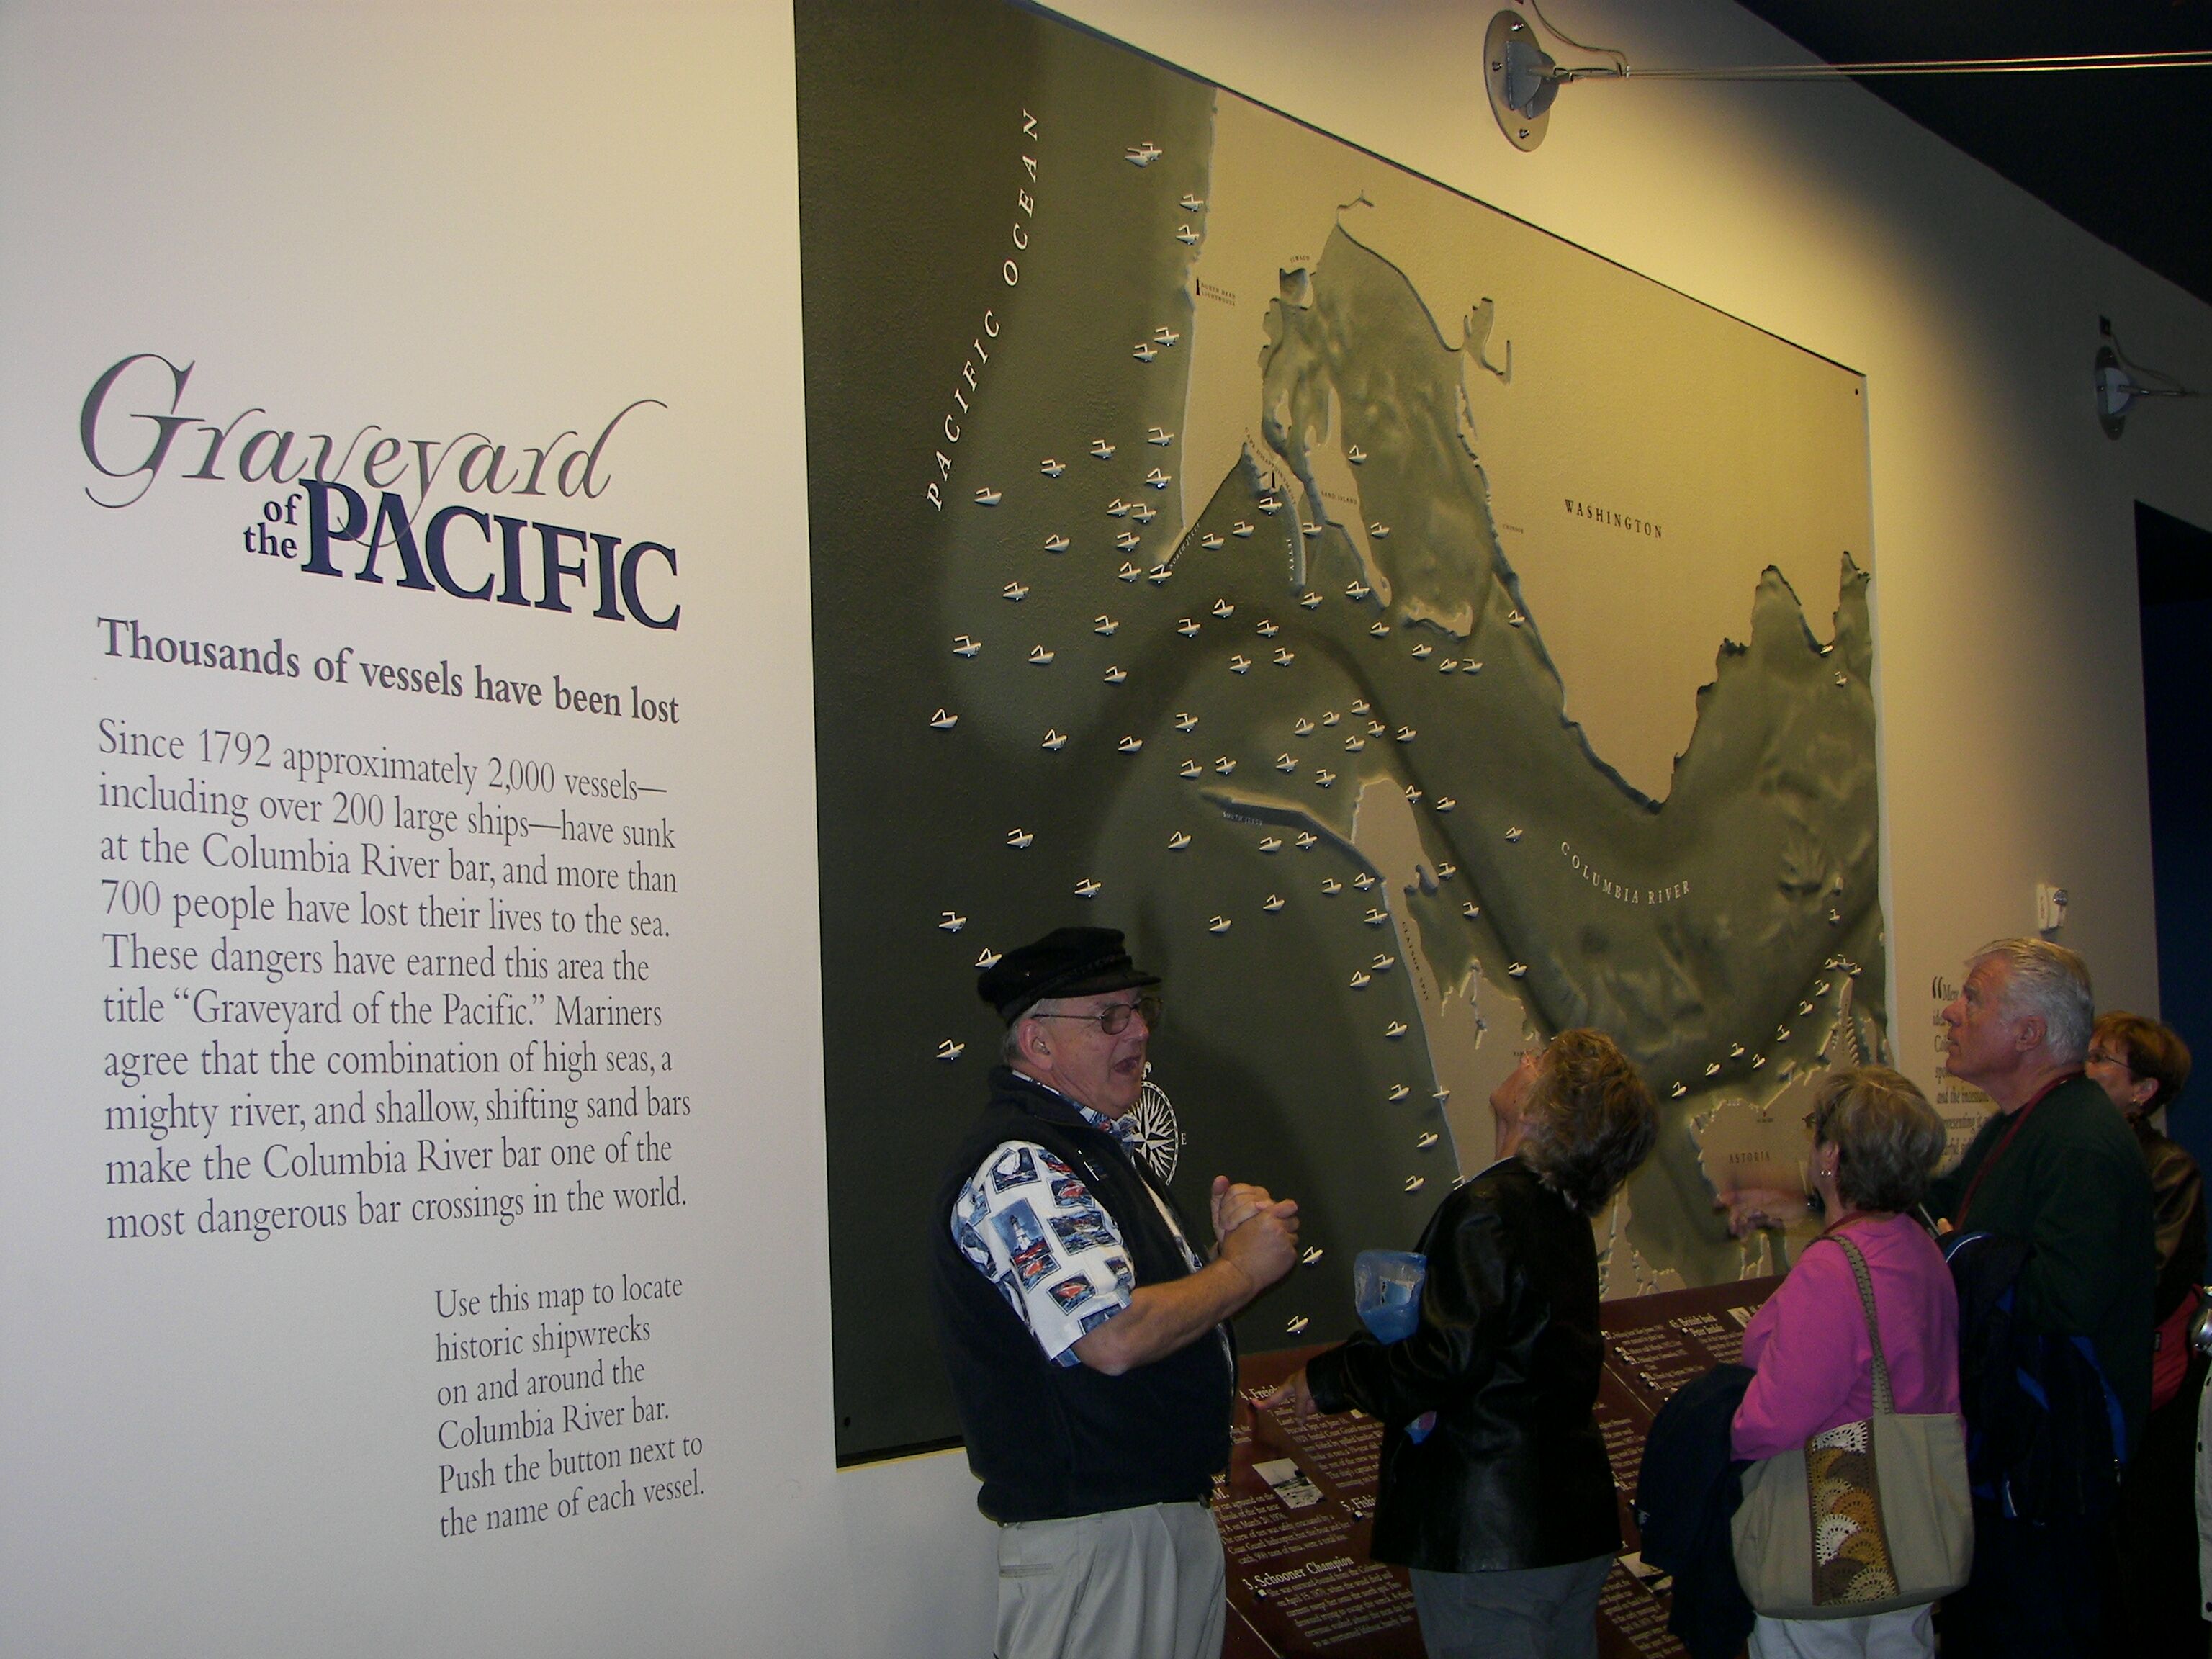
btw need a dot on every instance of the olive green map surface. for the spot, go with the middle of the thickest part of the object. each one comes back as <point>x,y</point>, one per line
<point>1419,635</point>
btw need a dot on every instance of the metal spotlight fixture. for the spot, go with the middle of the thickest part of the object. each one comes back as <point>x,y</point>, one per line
<point>1520,77</point>
<point>2120,384</point>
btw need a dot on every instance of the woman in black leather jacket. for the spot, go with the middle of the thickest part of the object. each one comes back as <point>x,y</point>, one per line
<point>1504,1507</point>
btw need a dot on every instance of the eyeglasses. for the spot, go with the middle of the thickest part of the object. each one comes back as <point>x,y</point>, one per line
<point>2106,1057</point>
<point>1113,1018</point>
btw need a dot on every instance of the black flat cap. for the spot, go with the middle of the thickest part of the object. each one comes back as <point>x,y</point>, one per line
<point>1068,961</point>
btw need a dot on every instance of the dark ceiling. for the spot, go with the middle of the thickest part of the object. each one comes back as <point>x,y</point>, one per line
<point>2125,154</point>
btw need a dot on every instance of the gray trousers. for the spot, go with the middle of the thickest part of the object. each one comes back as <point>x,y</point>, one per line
<point>1141,1583</point>
<point>1529,1612</point>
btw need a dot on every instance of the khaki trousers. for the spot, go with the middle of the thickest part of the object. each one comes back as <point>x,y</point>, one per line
<point>1141,1583</point>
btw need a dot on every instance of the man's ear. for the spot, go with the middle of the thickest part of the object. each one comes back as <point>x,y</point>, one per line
<point>2029,1033</point>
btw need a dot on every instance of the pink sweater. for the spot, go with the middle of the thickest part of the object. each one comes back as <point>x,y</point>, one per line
<point>1809,1344</point>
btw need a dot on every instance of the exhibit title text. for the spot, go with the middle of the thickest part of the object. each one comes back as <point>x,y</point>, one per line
<point>494,556</point>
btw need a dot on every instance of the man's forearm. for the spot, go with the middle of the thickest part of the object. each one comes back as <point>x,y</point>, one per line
<point>1164,1319</point>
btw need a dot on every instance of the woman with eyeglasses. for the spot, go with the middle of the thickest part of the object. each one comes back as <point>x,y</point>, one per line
<point>2142,1066</point>
<point>1502,1502</point>
<point>1875,1143</point>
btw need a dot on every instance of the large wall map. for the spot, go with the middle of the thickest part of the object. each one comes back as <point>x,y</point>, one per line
<point>1419,634</point>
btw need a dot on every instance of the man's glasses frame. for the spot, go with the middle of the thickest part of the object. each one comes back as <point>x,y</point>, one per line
<point>1113,1018</point>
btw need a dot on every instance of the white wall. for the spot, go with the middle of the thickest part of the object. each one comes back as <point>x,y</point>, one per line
<point>2004,593</point>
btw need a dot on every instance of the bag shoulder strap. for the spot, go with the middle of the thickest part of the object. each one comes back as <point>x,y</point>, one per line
<point>1885,1403</point>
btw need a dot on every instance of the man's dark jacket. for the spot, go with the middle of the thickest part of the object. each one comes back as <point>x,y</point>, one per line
<point>1507,1355</point>
<point>2071,1183</point>
<point>1049,1441</point>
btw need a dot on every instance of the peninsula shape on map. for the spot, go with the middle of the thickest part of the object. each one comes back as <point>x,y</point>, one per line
<point>1394,690</point>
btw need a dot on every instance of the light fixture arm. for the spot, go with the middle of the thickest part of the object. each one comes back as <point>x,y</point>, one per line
<point>1523,80</point>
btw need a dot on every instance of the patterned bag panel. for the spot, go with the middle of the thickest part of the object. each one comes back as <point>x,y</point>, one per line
<point>1851,1552</point>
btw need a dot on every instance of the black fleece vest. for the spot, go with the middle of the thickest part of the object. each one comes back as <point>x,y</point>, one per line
<point>1048,1441</point>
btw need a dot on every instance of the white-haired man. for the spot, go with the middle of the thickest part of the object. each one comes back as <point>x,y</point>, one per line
<point>2054,1168</point>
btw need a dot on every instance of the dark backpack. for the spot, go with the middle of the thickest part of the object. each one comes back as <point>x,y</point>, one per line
<point>2046,1438</point>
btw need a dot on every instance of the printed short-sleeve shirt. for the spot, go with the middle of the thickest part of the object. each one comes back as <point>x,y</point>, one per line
<point>1030,1226</point>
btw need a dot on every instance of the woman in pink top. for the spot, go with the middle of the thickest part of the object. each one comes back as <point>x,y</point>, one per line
<point>1875,1143</point>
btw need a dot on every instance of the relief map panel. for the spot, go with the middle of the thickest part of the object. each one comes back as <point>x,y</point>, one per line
<point>1419,635</point>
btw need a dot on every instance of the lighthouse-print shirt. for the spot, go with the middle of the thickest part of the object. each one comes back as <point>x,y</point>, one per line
<point>1030,1226</point>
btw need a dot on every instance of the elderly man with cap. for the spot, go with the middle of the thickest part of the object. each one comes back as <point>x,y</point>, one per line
<point>1083,1329</point>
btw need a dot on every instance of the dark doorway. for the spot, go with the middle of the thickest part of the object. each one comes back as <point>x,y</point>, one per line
<point>2173,566</point>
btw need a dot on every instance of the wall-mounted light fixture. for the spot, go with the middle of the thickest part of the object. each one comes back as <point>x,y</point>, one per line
<point>1523,79</point>
<point>2121,384</point>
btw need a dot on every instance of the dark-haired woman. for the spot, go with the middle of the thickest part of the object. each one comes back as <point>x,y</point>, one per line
<point>2142,1066</point>
<point>1875,1143</point>
<point>1505,1510</point>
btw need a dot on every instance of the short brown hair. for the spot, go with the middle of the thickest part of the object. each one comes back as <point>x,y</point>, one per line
<point>2150,1050</point>
<point>1591,1119</point>
<point>1888,1138</point>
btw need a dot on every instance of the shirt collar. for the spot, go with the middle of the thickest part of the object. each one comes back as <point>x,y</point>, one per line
<point>1119,1127</point>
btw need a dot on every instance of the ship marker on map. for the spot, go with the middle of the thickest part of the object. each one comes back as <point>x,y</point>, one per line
<point>1130,745</point>
<point>1052,469</point>
<point>1055,543</point>
<point>1144,351</point>
<point>952,923</point>
<point>987,497</point>
<point>1040,656</point>
<point>1160,435</point>
<point>1157,479</point>
<point>1101,449</point>
<point>1086,889</point>
<point>1184,722</point>
<point>1355,454</point>
<point>942,721</point>
<point>1192,203</point>
<point>1144,155</point>
<point>964,647</point>
<point>1211,540</point>
<point>1187,236</point>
